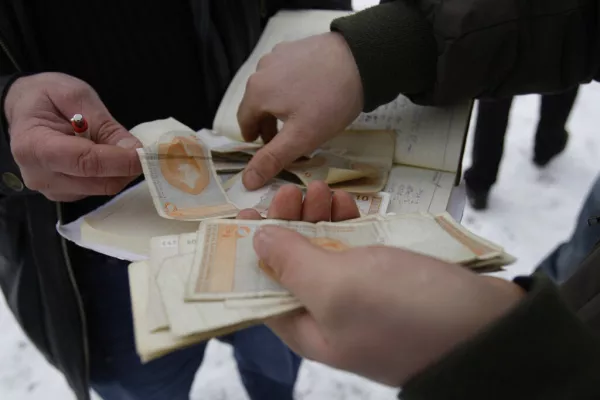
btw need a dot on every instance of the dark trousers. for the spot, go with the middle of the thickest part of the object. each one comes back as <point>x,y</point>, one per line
<point>268,368</point>
<point>492,120</point>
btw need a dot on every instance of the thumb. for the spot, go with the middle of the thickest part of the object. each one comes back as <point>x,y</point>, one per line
<point>296,263</point>
<point>286,147</point>
<point>108,131</point>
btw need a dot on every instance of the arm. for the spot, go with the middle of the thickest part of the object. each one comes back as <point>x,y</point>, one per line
<point>441,52</point>
<point>539,350</point>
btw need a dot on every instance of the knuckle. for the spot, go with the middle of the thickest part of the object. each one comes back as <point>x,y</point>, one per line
<point>22,151</point>
<point>34,184</point>
<point>107,128</point>
<point>267,158</point>
<point>253,82</point>
<point>76,93</point>
<point>264,61</point>
<point>88,163</point>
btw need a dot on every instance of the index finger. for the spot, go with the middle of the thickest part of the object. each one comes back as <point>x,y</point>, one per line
<point>77,156</point>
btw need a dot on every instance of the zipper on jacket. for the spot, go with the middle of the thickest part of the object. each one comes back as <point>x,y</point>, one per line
<point>66,256</point>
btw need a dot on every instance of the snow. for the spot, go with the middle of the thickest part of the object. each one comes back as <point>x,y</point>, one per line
<point>530,212</point>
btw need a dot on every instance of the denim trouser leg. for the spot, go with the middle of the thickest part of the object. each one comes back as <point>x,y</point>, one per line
<point>267,366</point>
<point>561,263</point>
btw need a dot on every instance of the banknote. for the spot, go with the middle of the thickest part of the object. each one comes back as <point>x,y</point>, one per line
<point>261,199</point>
<point>226,266</point>
<point>330,168</point>
<point>223,165</point>
<point>182,180</point>
<point>148,133</point>
<point>187,318</point>
<point>370,204</point>
<point>151,345</point>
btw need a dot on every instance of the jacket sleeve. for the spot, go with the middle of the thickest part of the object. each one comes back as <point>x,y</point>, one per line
<point>11,181</point>
<point>440,52</point>
<point>540,350</point>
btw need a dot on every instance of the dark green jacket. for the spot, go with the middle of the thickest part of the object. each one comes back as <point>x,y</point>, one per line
<point>442,51</point>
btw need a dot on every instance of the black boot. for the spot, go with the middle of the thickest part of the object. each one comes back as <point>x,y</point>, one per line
<point>545,150</point>
<point>478,199</point>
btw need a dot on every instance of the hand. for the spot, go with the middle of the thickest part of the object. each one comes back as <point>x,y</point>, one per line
<point>52,160</point>
<point>313,86</point>
<point>380,312</point>
<point>320,204</point>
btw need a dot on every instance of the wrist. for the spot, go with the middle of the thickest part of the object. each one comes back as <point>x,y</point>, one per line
<point>347,62</point>
<point>488,301</point>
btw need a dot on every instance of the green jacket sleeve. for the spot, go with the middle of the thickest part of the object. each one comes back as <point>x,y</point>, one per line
<point>440,52</point>
<point>540,350</point>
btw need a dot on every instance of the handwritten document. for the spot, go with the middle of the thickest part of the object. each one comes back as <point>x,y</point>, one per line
<point>418,190</point>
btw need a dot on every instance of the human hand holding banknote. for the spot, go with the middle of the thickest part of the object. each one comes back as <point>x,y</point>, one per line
<point>376,311</point>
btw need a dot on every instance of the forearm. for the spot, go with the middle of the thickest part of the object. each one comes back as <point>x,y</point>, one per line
<point>439,53</point>
<point>539,350</point>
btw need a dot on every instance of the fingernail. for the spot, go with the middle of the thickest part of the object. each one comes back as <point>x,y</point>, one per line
<point>252,179</point>
<point>129,143</point>
<point>263,239</point>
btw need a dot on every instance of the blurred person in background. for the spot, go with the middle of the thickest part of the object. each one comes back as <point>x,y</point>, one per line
<point>492,119</point>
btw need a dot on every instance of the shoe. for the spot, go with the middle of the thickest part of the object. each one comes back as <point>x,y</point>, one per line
<point>478,199</point>
<point>544,154</point>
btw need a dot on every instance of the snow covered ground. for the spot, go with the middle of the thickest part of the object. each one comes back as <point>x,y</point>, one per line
<point>530,212</point>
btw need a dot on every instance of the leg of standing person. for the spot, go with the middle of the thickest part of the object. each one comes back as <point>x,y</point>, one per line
<point>551,136</point>
<point>562,262</point>
<point>116,371</point>
<point>488,146</point>
<point>268,367</point>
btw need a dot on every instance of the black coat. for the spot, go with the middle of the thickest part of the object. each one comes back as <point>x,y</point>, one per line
<point>36,275</point>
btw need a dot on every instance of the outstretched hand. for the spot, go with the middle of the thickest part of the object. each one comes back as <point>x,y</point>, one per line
<point>381,312</point>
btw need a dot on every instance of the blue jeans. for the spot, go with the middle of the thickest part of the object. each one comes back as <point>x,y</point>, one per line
<point>565,259</point>
<point>268,367</point>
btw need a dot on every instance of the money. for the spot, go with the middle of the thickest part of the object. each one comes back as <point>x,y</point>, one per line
<point>372,204</point>
<point>151,345</point>
<point>201,285</point>
<point>226,266</point>
<point>182,180</point>
<point>186,318</point>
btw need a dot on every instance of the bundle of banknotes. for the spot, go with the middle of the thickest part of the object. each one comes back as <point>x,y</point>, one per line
<point>182,169</point>
<point>194,273</point>
<point>208,283</point>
